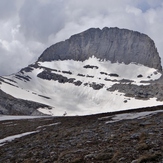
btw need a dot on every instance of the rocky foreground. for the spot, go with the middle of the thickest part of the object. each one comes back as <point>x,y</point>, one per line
<point>102,138</point>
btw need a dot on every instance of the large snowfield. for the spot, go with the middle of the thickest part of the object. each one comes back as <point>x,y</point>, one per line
<point>70,99</point>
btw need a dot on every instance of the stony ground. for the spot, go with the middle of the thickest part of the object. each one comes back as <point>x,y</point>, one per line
<point>87,139</point>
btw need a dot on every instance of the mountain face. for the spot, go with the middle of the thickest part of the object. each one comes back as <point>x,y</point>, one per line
<point>91,72</point>
<point>113,44</point>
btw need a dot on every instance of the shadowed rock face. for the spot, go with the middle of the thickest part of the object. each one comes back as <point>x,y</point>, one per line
<point>114,44</point>
<point>13,106</point>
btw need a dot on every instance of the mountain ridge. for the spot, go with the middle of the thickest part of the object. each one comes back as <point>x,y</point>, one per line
<point>86,81</point>
<point>127,128</point>
<point>114,44</point>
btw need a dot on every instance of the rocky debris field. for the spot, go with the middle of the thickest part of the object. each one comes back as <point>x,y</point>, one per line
<point>134,136</point>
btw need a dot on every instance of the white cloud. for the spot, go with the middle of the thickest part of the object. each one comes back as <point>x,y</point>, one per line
<point>28,27</point>
<point>133,10</point>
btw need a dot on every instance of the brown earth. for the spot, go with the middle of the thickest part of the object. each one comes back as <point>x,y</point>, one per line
<point>87,139</point>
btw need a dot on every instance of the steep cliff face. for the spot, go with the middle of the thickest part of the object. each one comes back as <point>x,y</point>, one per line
<point>114,44</point>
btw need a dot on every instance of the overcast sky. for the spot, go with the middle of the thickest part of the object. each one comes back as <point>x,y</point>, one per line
<point>27,27</point>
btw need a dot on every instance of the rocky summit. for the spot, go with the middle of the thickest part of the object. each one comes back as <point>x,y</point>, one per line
<point>96,71</point>
<point>113,44</point>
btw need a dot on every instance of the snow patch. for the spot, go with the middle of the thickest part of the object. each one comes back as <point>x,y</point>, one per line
<point>83,99</point>
<point>127,116</point>
<point>52,124</point>
<point>13,137</point>
<point>6,118</point>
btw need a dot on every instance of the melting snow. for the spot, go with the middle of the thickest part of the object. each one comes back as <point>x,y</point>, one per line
<point>11,138</point>
<point>5,118</point>
<point>53,124</point>
<point>126,116</point>
<point>82,100</point>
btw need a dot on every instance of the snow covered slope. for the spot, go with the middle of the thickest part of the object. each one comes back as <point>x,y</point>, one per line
<point>79,88</point>
<point>91,72</point>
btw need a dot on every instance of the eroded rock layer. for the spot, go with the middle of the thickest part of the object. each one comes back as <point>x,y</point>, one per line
<point>114,44</point>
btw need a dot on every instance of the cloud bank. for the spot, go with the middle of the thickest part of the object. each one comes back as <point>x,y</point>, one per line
<point>28,27</point>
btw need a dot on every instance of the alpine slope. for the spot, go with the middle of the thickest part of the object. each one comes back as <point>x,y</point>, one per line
<point>74,85</point>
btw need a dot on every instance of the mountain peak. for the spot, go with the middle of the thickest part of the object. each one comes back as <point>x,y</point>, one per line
<point>113,44</point>
<point>95,71</point>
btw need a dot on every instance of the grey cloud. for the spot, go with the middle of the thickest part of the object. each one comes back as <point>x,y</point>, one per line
<point>30,26</point>
<point>144,5</point>
<point>8,9</point>
<point>13,57</point>
<point>39,20</point>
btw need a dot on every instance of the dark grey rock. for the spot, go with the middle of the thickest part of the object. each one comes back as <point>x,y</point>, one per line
<point>96,86</point>
<point>114,44</point>
<point>89,66</point>
<point>90,76</point>
<point>67,72</point>
<point>140,76</point>
<point>12,106</point>
<point>48,75</point>
<point>78,83</point>
<point>26,69</point>
<point>106,79</point>
<point>143,92</point>
<point>113,75</point>
<point>103,73</point>
<point>126,81</point>
<point>24,78</point>
<point>81,75</point>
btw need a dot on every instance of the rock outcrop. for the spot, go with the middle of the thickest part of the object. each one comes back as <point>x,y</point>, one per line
<point>13,106</point>
<point>114,44</point>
